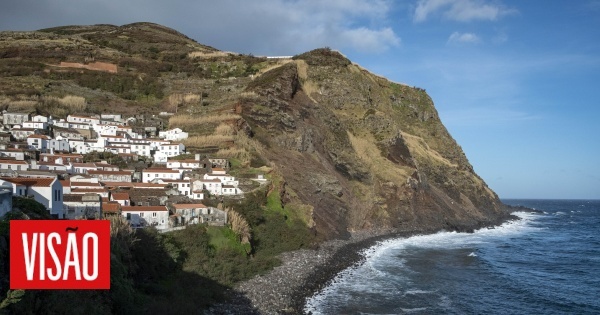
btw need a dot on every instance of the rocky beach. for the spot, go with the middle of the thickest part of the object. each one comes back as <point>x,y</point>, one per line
<point>304,272</point>
<point>301,274</point>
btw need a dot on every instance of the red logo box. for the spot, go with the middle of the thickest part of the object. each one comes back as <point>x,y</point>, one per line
<point>60,254</point>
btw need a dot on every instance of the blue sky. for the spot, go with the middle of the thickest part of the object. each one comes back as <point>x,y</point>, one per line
<point>515,82</point>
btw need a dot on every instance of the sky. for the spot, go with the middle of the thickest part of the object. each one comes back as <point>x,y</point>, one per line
<point>515,82</point>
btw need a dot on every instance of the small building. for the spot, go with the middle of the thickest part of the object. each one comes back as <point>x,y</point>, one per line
<point>82,206</point>
<point>142,216</point>
<point>39,142</point>
<point>110,209</point>
<point>47,191</point>
<point>11,119</point>
<point>111,176</point>
<point>189,213</point>
<point>175,134</point>
<point>121,198</point>
<point>150,174</point>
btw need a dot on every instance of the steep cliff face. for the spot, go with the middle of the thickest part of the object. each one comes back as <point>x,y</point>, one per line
<point>364,152</point>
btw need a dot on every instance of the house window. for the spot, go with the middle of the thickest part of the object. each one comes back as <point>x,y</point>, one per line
<point>141,214</point>
<point>154,214</point>
<point>128,216</point>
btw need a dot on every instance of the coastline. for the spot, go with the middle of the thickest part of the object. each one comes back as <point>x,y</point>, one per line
<point>303,273</point>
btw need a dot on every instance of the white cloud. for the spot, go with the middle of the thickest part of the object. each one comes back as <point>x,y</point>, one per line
<point>468,38</point>
<point>264,27</point>
<point>367,40</point>
<point>461,10</point>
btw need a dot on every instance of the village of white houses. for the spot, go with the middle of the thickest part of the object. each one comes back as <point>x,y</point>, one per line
<point>69,166</point>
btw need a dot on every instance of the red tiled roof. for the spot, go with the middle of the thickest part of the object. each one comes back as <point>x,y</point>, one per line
<point>143,208</point>
<point>36,182</point>
<point>159,170</point>
<point>38,136</point>
<point>13,162</point>
<point>120,196</point>
<point>112,207</point>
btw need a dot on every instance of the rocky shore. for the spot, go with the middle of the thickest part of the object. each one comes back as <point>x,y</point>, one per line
<point>284,289</point>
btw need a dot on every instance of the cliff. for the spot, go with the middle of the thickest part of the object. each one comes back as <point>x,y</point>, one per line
<point>364,152</point>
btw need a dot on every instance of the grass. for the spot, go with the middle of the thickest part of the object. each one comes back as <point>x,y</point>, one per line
<point>224,238</point>
<point>183,121</point>
<point>419,147</point>
<point>206,141</point>
<point>371,156</point>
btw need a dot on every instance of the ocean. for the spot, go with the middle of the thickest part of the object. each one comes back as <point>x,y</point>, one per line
<point>546,263</point>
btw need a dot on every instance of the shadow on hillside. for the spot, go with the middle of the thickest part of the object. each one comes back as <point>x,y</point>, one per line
<point>146,278</point>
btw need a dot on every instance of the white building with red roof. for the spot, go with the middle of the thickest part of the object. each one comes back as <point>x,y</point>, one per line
<point>47,191</point>
<point>14,165</point>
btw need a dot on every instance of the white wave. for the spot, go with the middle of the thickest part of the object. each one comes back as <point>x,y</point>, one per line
<point>417,291</point>
<point>363,279</point>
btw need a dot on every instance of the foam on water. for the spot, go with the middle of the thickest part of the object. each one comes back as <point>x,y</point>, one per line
<point>372,277</point>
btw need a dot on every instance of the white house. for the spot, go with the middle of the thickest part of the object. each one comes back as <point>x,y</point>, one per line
<point>150,174</point>
<point>183,186</point>
<point>120,197</point>
<point>52,166</point>
<point>22,133</point>
<point>83,168</point>
<point>141,148</point>
<point>213,186</point>
<point>14,118</point>
<point>116,149</point>
<point>39,142</point>
<point>105,130</point>
<point>230,190</point>
<point>59,144</point>
<point>164,151</point>
<point>35,125</point>
<point>140,216</point>
<point>219,173</point>
<point>173,134</point>
<point>187,164</point>
<point>16,154</point>
<point>111,176</point>
<point>87,120</point>
<point>47,191</point>
<point>197,194</point>
<point>14,165</point>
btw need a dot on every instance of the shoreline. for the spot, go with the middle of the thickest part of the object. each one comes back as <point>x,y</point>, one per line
<point>304,272</point>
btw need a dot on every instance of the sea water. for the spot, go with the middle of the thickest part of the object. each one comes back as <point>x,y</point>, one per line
<point>546,263</point>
